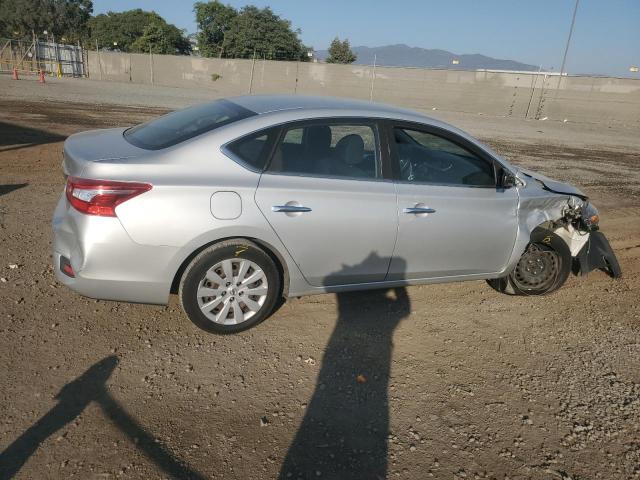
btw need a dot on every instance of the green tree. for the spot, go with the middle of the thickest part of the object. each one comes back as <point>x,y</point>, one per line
<point>161,38</point>
<point>138,31</point>
<point>214,20</point>
<point>66,19</point>
<point>340,52</point>
<point>231,33</point>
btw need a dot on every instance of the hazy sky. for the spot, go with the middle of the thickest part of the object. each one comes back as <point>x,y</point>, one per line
<point>606,37</point>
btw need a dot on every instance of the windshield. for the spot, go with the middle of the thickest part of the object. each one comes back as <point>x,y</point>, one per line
<point>176,127</point>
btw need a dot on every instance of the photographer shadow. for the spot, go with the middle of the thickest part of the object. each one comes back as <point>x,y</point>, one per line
<point>345,428</point>
<point>74,397</point>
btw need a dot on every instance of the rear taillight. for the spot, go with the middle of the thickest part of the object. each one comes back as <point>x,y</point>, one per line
<point>101,197</point>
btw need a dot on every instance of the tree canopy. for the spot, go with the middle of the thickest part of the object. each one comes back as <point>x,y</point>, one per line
<point>223,31</point>
<point>214,20</point>
<point>138,31</point>
<point>340,52</point>
<point>62,18</point>
<point>230,33</point>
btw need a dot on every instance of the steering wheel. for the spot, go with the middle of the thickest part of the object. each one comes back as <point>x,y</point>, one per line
<point>440,164</point>
<point>406,169</point>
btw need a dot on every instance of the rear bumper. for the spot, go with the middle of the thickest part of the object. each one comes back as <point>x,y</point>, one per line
<point>107,264</point>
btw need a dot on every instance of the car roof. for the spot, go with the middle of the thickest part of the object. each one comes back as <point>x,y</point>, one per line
<point>298,107</point>
<point>262,104</point>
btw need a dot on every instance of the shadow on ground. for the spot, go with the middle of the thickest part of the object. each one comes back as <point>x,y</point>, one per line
<point>345,428</point>
<point>15,137</point>
<point>72,400</point>
<point>5,189</point>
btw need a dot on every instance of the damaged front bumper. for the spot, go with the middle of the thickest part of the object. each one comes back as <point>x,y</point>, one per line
<point>566,211</point>
<point>596,254</point>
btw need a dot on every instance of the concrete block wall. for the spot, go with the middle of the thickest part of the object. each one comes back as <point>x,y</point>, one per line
<point>510,94</point>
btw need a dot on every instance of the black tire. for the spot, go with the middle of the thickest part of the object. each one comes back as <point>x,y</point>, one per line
<point>194,275</point>
<point>543,268</point>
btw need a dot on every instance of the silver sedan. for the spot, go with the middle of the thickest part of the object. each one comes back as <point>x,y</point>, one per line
<point>237,203</point>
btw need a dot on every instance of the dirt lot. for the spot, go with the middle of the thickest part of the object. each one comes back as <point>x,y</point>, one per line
<point>444,381</point>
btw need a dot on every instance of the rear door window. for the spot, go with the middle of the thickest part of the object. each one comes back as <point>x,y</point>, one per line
<point>176,127</point>
<point>329,149</point>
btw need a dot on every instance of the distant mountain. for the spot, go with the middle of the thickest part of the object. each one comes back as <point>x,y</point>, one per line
<point>405,56</point>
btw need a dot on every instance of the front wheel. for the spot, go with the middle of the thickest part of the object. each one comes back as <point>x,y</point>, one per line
<point>229,287</point>
<point>543,267</point>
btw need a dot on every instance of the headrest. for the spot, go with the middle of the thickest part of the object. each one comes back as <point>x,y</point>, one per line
<point>350,149</point>
<point>317,137</point>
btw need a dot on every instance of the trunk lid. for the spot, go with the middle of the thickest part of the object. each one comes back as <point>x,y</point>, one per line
<point>106,145</point>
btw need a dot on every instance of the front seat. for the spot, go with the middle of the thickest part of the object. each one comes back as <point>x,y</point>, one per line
<point>348,154</point>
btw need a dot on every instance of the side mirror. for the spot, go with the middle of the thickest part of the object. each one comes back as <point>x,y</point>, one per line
<point>509,180</point>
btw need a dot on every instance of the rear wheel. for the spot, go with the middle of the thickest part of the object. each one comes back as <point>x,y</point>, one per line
<point>230,287</point>
<point>543,267</point>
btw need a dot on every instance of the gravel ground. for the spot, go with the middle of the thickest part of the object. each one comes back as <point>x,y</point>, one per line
<point>442,381</point>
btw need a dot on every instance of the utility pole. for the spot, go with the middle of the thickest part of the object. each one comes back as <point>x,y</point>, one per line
<point>566,49</point>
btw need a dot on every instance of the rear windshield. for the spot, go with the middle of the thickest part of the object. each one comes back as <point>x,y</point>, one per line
<point>184,124</point>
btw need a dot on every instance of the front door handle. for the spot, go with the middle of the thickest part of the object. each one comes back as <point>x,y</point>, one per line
<point>417,210</point>
<point>290,209</point>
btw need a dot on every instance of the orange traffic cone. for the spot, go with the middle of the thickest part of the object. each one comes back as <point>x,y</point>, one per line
<point>41,77</point>
<point>15,74</point>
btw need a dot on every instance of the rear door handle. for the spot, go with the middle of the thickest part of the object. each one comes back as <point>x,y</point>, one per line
<point>289,209</point>
<point>416,210</point>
